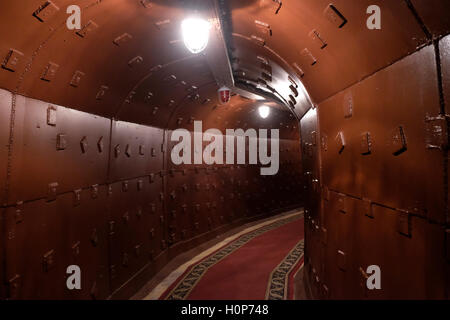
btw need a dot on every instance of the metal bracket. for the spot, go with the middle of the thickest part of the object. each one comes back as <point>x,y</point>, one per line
<point>436,132</point>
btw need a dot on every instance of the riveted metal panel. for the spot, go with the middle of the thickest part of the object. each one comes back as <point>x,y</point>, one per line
<point>6,100</point>
<point>137,226</point>
<point>444,49</point>
<point>310,162</point>
<point>135,157</point>
<point>394,253</point>
<point>87,239</point>
<point>340,143</point>
<point>337,23</point>
<point>433,14</point>
<point>55,235</point>
<point>54,145</point>
<point>40,233</point>
<point>402,258</point>
<point>396,120</point>
<point>69,149</point>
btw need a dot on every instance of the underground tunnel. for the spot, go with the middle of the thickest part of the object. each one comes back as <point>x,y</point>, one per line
<point>224,149</point>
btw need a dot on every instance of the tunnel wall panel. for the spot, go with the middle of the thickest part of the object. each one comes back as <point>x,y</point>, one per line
<point>137,224</point>
<point>54,235</point>
<point>314,233</point>
<point>444,49</point>
<point>398,221</point>
<point>352,51</point>
<point>136,150</point>
<point>89,179</point>
<point>48,142</point>
<point>103,194</point>
<point>5,118</point>
<point>417,256</point>
<point>364,146</point>
<point>433,14</point>
<point>381,114</point>
<point>310,162</point>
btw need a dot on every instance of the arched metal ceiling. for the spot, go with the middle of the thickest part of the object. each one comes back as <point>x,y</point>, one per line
<point>129,62</point>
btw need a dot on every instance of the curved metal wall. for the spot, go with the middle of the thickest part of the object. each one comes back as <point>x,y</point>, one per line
<point>85,118</point>
<point>374,148</point>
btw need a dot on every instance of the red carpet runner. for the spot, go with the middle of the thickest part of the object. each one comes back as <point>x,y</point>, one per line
<point>258,265</point>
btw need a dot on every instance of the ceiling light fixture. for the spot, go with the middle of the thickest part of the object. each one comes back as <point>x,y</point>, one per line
<point>264,111</point>
<point>195,34</point>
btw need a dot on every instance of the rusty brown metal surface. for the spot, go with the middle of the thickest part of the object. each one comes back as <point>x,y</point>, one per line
<point>54,235</point>
<point>5,112</point>
<point>433,14</point>
<point>416,249</point>
<point>102,191</point>
<point>444,49</point>
<point>383,160</point>
<point>56,145</point>
<point>387,138</point>
<point>136,150</point>
<point>311,181</point>
<point>85,120</point>
<point>352,51</point>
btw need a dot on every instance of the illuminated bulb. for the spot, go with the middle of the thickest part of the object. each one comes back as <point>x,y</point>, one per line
<point>264,111</point>
<point>195,34</point>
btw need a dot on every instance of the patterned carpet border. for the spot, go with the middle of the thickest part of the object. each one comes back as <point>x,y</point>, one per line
<point>196,272</point>
<point>277,288</point>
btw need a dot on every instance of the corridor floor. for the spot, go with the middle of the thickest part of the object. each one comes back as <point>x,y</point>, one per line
<point>256,263</point>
